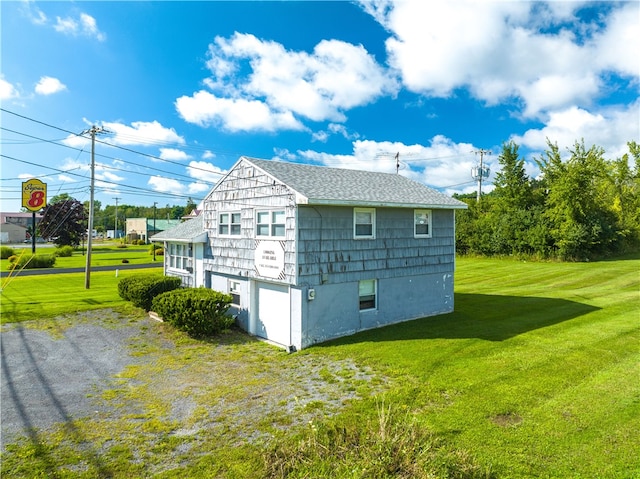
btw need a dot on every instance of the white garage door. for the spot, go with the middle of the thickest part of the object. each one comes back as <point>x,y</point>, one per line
<point>274,313</point>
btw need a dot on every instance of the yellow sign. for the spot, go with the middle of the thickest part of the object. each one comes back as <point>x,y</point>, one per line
<point>34,195</point>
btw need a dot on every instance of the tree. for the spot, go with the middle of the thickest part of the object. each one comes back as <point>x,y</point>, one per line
<point>64,220</point>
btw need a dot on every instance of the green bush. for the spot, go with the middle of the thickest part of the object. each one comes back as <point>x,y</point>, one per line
<point>199,312</point>
<point>6,251</point>
<point>121,245</point>
<point>34,261</point>
<point>64,251</point>
<point>141,289</point>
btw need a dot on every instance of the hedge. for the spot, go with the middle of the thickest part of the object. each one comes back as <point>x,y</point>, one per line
<point>141,289</point>
<point>6,252</point>
<point>30,261</point>
<point>200,312</point>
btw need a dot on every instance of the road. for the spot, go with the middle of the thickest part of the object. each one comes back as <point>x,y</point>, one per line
<point>33,272</point>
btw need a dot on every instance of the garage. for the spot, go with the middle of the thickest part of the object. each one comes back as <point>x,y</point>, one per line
<point>272,313</point>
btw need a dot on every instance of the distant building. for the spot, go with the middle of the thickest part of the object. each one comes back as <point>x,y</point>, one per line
<point>13,226</point>
<point>144,228</point>
<point>311,253</point>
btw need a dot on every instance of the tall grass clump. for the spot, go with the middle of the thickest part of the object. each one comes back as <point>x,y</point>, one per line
<point>64,251</point>
<point>6,252</point>
<point>389,444</point>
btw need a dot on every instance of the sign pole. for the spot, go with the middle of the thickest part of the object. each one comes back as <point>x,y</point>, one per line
<point>33,232</point>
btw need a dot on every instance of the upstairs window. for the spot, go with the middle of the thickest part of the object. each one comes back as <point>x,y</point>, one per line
<point>229,224</point>
<point>270,224</point>
<point>364,223</point>
<point>422,223</point>
<point>367,292</point>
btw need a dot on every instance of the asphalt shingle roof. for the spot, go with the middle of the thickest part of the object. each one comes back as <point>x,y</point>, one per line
<point>190,230</point>
<point>337,186</point>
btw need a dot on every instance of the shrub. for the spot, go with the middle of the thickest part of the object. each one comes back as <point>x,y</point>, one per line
<point>34,261</point>
<point>199,312</point>
<point>159,251</point>
<point>6,252</point>
<point>125,260</point>
<point>141,289</point>
<point>64,251</point>
<point>121,245</point>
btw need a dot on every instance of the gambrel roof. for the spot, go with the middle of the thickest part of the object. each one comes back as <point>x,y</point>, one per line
<point>320,185</point>
<point>190,231</point>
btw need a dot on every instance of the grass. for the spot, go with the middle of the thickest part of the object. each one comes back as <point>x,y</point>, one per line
<point>104,255</point>
<point>25,298</point>
<point>535,374</point>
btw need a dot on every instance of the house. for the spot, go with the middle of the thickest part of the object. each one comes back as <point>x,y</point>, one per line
<point>144,228</point>
<point>15,227</point>
<point>312,253</point>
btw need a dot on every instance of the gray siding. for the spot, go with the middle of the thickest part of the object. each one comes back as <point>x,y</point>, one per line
<point>247,190</point>
<point>328,253</point>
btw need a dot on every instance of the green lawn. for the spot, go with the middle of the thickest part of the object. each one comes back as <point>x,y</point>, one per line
<point>535,374</point>
<point>101,255</point>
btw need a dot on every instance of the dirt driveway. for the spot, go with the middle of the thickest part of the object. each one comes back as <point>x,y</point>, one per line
<point>120,374</point>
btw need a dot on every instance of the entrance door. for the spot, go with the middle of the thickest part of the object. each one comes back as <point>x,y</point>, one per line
<point>273,313</point>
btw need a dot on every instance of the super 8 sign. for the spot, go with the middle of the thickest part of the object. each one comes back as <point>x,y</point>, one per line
<point>34,195</point>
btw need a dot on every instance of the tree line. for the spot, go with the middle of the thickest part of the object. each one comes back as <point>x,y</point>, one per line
<point>580,208</point>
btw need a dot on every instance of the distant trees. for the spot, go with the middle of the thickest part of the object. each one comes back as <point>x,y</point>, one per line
<point>580,208</point>
<point>64,220</point>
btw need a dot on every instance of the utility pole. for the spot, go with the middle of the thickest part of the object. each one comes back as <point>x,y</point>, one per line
<point>115,231</point>
<point>154,229</point>
<point>87,272</point>
<point>480,172</point>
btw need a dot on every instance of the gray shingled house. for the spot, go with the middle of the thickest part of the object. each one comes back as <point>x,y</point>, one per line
<point>312,253</point>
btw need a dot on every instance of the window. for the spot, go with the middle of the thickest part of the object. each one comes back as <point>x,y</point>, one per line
<point>234,291</point>
<point>270,223</point>
<point>422,223</point>
<point>367,292</point>
<point>179,256</point>
<point>229,224</point>
<point>364,223</point>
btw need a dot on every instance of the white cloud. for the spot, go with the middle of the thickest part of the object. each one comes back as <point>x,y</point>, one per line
<point>173,154</point>
<point>609,128</point>
<point>84,25</point>
<point>205,172</point>
<point>538,53</point>
<point>198,187</point>
<point>34,14</point>
<point>441,164</point>
<point>207,155</point>
<point>49,86</point>
<point>285,86</point>
<point>166,185</point>
<point>204,109</point>
<point>142,133</point>
<point>7,90</point>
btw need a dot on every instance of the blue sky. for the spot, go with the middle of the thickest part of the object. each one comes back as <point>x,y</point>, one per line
<point>186,88</point>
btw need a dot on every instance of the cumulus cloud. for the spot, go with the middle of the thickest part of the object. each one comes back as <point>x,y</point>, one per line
<point>610,129</point>
<point>442,164</point>
<point>173,154</point>
<point>537,53</point>
<point>83,25</point>
<point>207,172</point>
<point>142,133</point>
<point>7,90</point>
<point>166,185</point>
<point>49,85</point>
<point>284,87</point>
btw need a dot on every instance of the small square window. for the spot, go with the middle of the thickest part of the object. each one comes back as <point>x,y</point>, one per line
<point>234,291</point>
<point>270,223</point>
<point>364,223</point>
<point>229,224</point>
<point>367,290</point>
<point>422,223</point>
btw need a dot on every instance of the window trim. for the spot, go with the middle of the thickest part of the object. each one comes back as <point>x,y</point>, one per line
<point>234,290</point>
<point>375,295</point>
<point>372,235</point>
<point>271,224</point>
<point>180,256</point>
<point>429,214</point>
<point>230,224</point>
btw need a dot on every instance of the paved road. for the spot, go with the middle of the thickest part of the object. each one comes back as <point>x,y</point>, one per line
<point>32,272</point>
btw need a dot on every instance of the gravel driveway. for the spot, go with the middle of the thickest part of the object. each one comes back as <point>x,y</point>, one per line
<point>103,365</point>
